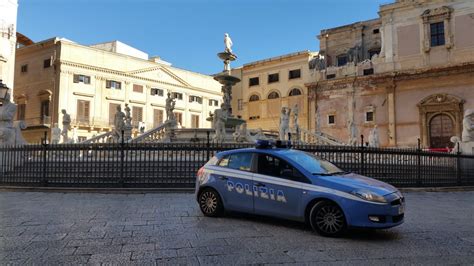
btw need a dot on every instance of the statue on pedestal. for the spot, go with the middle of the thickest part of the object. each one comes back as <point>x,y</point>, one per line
<point>228,43</point>
<point>353,133</point>
<point>219,120</point>
<point>374,141</point>
<point>7,129</point>
<point>119,124</point>
<point>284,123</point>
<point>241,134</point>
<point>170,103</point>
<point>55,134</point>
<point>66,125</point>
<point>468,126</point>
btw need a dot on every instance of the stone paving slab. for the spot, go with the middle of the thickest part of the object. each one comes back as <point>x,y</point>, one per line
<point>48,228</point>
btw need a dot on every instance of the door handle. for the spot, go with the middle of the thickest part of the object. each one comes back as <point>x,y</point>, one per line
<point>260,184</point>
<point>223,178</point>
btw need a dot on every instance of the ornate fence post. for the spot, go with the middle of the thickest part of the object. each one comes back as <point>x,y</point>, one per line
<point>458,166</point>
<point>418,163</point>
<point>362,155</point>
<point>44,180</point>
<point>122,158</point>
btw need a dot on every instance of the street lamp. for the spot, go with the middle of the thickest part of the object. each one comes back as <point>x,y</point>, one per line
<point>3,91</point>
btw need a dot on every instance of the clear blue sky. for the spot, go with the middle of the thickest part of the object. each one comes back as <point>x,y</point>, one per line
<point>189,33</point>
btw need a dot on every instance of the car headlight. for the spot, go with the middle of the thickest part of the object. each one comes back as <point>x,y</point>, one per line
<point>369,196</point>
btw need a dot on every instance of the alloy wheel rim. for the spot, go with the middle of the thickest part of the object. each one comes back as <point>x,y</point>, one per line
<point>208,202</point>
<point>330,219</point>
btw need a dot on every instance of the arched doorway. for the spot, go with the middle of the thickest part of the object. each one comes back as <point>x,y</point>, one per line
<point>441,131</point>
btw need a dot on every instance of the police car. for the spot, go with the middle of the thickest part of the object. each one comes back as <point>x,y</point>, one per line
<point>296,185</point>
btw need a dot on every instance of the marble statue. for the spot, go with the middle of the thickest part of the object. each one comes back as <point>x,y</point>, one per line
<point>219,120</point>
<point>228,43</point>
<point>353,133</point>
<point>119,123</point>
<point>374,141</point>
<point>284,123</point>
<point>55,134</point>
<point>7,129</point>
<point>128,117</point>
<point>66,125</point>
<point>468,126</point>
<point>241,134</point>
<point>74,138</point>
<point>170,103</point>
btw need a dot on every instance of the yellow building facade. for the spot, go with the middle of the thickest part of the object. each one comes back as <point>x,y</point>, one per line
<point>89,82</point>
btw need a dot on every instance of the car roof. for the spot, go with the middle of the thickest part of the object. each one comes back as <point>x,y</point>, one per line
<point>275,151</point>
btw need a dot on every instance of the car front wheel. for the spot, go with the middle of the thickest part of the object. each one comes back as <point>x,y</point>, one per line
<point>327,219</point>
<point>210,203</point>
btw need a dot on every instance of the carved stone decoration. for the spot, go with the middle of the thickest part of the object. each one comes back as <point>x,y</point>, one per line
<point>437,104</point>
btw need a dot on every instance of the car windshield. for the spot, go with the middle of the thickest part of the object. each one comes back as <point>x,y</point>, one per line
<point>313,164</point>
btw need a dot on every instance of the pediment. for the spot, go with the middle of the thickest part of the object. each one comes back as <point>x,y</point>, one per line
<point>440,99</point>
<point>161,74</point>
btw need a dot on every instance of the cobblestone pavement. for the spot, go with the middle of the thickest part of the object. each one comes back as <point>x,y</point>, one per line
<point>162,228</point>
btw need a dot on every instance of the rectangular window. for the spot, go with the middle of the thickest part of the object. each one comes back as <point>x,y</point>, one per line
<point>157,92</point>
<point>196,99</point>
<point>157,117</point>
<point>24,68</point>
<point>195,121</point>
<point>331,119</point>
<point>437,34</point>
<point>137,88</point>
<point>83,111</point>
<point>376,31</point>
<point>273,78</point>
<point>112,111</point>
<point>213,102</point>
<point>369,71</point>
<point>239,105</point>
<point>47,63</point>
<point>177,95</point>
<point>254,81</point>
<point>179,118</point>
<point>82,78</point>
<point>137,115</point>
<point>330,76</point>
<point>20,115</point>
<point>45,109</point>
<point>294,74</point>
<point>112,84</point>
<point>342,60</point>
<point>369,116</point>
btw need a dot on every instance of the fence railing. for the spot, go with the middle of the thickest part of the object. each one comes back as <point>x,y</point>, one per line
<point>174,165</point>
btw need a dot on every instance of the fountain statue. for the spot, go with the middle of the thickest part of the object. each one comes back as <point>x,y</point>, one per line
<point>284,123</point>
<point>66,125</point>
<point>119,124</point>
<point>55,134</point>
<point>8,132</point>
<point>468,126</point>
<point>127,129</point>
<point>374,141</point>
<point>220,118</point>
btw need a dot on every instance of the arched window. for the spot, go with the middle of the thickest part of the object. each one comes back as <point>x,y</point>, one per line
<point>254,98</point>
<point>295,92</point>
<point>273,95</point>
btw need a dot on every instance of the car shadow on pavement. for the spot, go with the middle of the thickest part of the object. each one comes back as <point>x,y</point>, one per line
<point>356,234</point>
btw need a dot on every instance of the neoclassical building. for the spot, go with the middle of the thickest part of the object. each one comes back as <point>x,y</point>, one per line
<point>270,84</point>
<point>89,82</point>
<point>8,17</point>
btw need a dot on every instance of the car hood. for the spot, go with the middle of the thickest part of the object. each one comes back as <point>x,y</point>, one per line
<point>351,182</point>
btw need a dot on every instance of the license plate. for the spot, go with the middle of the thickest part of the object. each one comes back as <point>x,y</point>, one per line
<point>401,209</point>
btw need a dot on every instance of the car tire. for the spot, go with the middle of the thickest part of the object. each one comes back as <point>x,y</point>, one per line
<point>210,203</point>
<point>327,219</point>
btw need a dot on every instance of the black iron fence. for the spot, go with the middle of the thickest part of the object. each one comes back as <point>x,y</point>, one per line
<point>174,165</point>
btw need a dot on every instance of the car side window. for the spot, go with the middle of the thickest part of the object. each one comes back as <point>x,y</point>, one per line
<point>237,161</point>
<point>273,166</point>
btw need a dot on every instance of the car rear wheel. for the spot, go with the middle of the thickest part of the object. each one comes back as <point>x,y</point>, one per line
<point>210,203</point>
<point>327,219</point>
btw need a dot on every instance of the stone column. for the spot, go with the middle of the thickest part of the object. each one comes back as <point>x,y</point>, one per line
<point>392,127</point>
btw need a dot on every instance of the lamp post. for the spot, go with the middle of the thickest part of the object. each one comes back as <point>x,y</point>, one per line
<point>3,91</point>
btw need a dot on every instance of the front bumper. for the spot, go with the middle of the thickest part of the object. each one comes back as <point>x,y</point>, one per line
<point>374,215</point>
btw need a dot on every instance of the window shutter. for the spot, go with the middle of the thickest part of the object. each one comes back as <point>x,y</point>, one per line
<point>86,109</point>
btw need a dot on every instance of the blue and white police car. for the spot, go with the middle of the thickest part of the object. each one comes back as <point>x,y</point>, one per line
<point>296,185</point>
